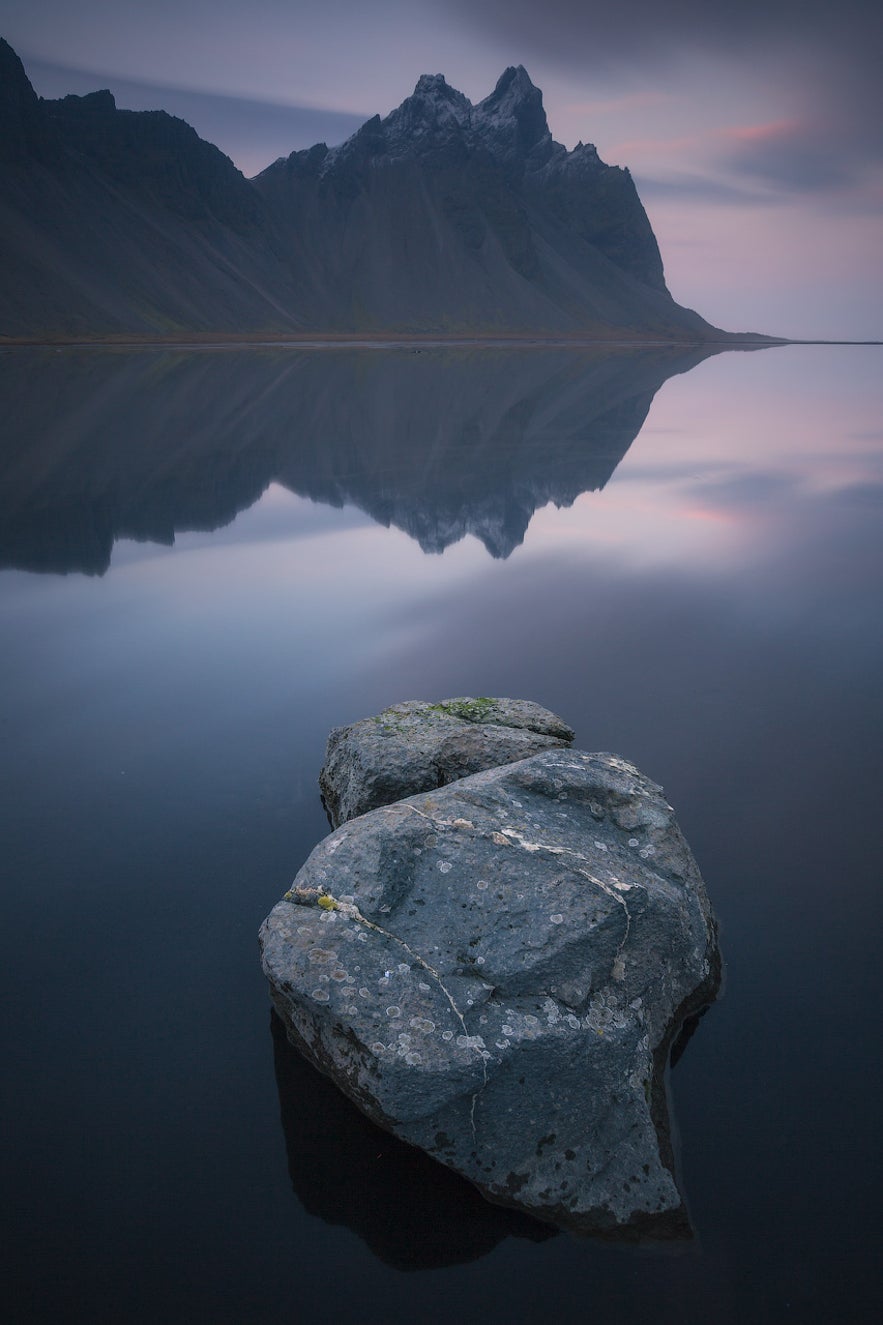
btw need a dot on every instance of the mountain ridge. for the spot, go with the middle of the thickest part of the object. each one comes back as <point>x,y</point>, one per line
<point>442,218</point>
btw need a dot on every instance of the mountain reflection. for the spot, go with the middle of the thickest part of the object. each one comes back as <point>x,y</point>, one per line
<point>440,442</point>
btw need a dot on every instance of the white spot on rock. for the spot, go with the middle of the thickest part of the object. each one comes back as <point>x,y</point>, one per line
<point>470,1041</point>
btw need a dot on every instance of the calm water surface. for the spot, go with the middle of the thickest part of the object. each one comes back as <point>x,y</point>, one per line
<point>209,559</point>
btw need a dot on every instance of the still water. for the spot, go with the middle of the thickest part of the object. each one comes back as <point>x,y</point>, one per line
<point>209,559</point>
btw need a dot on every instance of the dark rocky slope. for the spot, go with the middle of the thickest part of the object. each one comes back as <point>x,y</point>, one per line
<point>117,221</point>
<point>442,218</point>
<point>449,216</point>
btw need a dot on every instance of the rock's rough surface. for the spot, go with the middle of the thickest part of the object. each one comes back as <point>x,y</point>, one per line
<point>416,746</point>
<point>494,971</point>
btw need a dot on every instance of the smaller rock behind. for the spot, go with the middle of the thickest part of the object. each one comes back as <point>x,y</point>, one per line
<point>416,746</point>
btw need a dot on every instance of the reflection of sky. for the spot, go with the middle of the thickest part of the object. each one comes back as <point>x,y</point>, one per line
<point>278,514</point>
<point>727,452</point>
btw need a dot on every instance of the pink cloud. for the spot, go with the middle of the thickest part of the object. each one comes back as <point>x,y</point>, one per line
<point>774,131</point>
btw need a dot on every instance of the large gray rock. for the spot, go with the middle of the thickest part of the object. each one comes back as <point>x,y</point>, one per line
<point>494,971</point>
<point>416,746</point>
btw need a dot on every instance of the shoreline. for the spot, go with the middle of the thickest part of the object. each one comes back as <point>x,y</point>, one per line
<point>382,340</point>
<point>401,340</point>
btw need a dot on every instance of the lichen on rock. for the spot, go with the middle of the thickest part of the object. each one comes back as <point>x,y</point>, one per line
<point>417,746</point>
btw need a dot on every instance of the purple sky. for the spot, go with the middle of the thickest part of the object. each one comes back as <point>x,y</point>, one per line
<point>754,131</point>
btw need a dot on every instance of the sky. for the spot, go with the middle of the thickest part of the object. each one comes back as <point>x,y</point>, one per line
<point>754,131</point>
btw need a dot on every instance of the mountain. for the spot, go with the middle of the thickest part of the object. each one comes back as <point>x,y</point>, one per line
<point>118,221</point>
<point>445,217</point>
<point>444,442</point>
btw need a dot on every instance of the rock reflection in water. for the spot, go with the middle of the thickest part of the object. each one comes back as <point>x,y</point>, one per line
<point>109,444</point>
<point>413,1213</point>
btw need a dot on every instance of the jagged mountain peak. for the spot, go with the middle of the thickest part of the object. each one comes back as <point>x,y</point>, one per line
<point>512,117</point>
<point>437,86</point>
<point>433,115</point>
<point>515,75</point>
<point>514,88</point>
<point>510,123</point>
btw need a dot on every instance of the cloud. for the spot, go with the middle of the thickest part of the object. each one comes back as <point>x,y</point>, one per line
<point>814,64</point>
<point>689,187</point>
<point>597,35</point>
<point>796,157</point>
<point>757,165</point>
<point>746,491</point>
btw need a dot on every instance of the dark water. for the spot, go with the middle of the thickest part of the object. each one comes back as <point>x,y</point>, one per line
<point>705,600</point>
